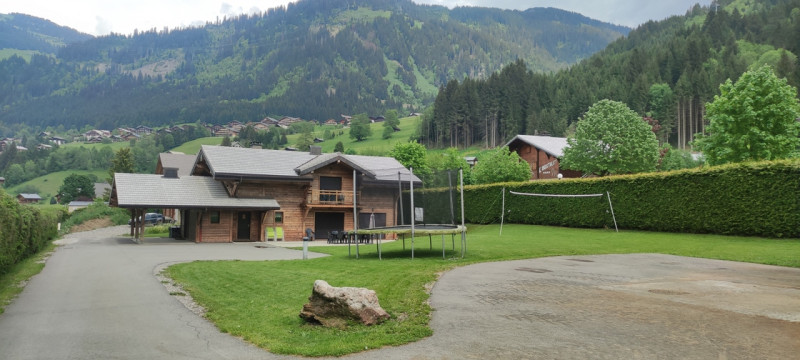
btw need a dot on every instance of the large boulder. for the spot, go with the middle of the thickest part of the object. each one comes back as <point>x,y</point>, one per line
<point>333,306</point>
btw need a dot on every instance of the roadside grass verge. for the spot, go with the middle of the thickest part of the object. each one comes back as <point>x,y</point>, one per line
<point>260,301</point>
<point>97,210</point>
<point>12,282</point>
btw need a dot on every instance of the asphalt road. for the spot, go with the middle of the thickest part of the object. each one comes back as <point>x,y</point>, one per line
<point>98,298</point>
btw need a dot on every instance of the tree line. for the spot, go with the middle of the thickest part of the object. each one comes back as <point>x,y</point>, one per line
<point>666,70</point>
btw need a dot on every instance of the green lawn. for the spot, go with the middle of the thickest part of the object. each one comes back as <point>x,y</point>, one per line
<point>260,301</point>
<point>374,145</point>
<point>49,184</point>
<point>193,147</point>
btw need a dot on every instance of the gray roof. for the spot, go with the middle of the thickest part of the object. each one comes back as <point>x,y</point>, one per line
<point>384,168</point>
<point>226,161</point>
<point>30,196</point>
<point>552,145</point>
<point>149,190</point>
<point>256,163</point>
<point>182,162</point>
<point>80,203</point>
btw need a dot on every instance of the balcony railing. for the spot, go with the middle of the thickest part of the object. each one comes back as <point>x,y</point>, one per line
<point>330,197</point>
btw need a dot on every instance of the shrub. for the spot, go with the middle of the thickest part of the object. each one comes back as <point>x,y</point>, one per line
<point>24,230</point>
<point>96,210</point>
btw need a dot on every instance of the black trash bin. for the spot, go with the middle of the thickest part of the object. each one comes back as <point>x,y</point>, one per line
<point>175,232</point>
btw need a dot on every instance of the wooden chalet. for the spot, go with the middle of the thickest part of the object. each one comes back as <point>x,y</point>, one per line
<point>29,198</point>
<point>543,153</point>
<point>241,194</point>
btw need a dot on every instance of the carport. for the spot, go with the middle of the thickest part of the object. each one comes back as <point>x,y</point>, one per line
<point>210,214</point>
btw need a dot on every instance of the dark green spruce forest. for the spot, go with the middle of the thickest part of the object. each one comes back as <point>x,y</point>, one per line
<point>665,70</point>
<point>312,59</point>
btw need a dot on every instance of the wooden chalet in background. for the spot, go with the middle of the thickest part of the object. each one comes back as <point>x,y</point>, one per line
<point>544,154</point>
<point>237,194</point>
<point>29,198</point>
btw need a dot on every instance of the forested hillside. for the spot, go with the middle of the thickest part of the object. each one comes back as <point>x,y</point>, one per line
<point>311,59</point>
<point>667,70</point>
<point>25,32</point>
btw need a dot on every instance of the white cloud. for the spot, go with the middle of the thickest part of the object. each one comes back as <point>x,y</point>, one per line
<point>102,27</point>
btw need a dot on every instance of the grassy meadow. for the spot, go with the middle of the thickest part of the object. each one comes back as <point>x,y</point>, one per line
<point>193,147</point>
<point>264,309</point>
<point>374,145</point>
<point>49,184</point>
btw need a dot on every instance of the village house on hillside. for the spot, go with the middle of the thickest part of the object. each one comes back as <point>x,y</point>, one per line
<point>96,134</point>
<point>239,194</point>
<point>544,154</point>
<point>29,198</point>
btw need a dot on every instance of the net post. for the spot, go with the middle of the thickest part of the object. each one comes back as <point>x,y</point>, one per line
<point>355,212</point>
<point>503,211</point>
<point>450,192</point>
<point>612,211</point>
<point>463,228</point>
<point>400,197</point>
<point>413,210</point>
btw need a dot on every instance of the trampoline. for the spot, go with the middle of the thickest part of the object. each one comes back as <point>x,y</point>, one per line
<point>417,230</point>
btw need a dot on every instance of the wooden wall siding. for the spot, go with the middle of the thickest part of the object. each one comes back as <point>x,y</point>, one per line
<point>255,226</point>
<point>290,196</point>
<point>217,233</point>
<point>538,160</point>
<point>335,170</point>
<point>379,200</point>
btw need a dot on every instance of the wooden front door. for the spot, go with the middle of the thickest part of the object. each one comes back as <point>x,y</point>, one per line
<point>243,231</point>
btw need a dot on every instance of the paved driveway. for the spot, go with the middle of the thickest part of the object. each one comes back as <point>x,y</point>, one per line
<point>98,298</point>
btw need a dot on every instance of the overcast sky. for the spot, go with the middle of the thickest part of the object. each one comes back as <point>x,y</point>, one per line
<point>99,17</point>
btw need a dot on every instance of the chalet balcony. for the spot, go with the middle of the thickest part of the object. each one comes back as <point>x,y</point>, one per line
<point>333,198</point>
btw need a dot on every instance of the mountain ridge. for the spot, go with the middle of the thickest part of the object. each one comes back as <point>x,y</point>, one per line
<point>314,60</point>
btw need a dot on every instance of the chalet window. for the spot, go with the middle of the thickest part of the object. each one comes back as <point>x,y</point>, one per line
<point>279,217</point>
<point>329,186</point>
<point>330,183</point>
<point>214,216</point>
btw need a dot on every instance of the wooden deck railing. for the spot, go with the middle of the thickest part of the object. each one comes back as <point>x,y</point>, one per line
<point>330,197</point>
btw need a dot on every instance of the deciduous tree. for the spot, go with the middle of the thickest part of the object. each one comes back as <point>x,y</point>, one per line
<point>75,186</point>
<point>359,127</point>
<point>753,119</point>
<point>501,165</point>
<point>611,139</point>
<point>411,155</point>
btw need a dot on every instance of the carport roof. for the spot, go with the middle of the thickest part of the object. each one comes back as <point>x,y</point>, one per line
<point>188,192</point>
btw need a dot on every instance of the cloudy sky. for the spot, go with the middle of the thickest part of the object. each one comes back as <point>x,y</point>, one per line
<point>99,17</point>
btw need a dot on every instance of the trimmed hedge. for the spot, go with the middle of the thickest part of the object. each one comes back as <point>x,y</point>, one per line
<point>758,199</point>
<point>24,230</point>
